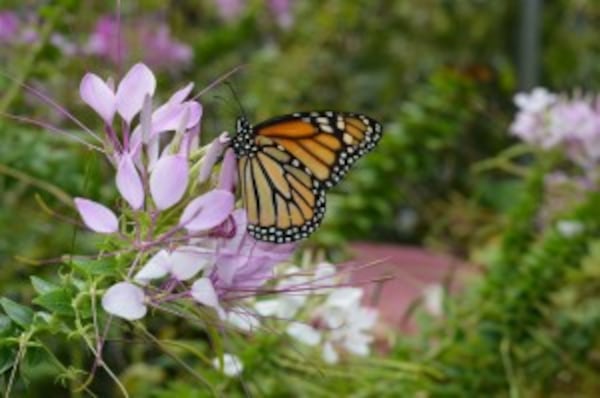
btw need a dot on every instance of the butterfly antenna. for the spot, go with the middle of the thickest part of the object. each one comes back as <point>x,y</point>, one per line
<point>237,99</point>
<point>226,102</point>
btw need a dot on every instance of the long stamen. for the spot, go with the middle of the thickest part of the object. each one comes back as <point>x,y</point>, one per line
<point>48,126</point>
<point>49,101</point>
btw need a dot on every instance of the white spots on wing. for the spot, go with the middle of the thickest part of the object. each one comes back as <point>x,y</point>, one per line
<point>348,139</point>
<point>326,128</point>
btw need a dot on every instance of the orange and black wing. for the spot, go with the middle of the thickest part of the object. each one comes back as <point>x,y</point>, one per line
<point>327,143</point>
<point>283,202</point>
<point>290,163</point>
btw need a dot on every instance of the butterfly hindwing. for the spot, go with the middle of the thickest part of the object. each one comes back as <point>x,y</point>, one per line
<point>286,164</point>
<point>283,202</point>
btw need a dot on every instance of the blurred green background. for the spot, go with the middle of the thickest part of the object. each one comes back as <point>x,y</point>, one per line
<point>439,75</point>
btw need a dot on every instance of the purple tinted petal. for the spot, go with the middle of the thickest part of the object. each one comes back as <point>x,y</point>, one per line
<point>166,117</point>
<point>129,182</point>
<point>136,84</point>
<point>125,300</point>
<point>234,244</point>
<point>195,109</point>
<point>207,211</point>
<point>135,140</point>
<point>204,292</point>
<point>97,217</point>
<point>169,116</point>
<point>181,94</point>
<point>169,180</point>
<point>230,9</point>
<point>135,145</point>
<point>96,93</point>
<point>189,141</point>
<point>282,11</point>
<point>157,267</point>
<point>214,151</point>
<point>228,171</point>
<point>187,261</point>
<point>243,262</point>
<point>146,118</point>
<point>227,267</point>
<point>193,137</point>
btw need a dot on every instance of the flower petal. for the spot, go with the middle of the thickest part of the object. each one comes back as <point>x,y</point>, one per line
<point>168,116</point>
<point>157,267</point>
<point>267,307</point>
<point>187,261</point>
<point>125,300</point>
<point>345,298</point>
<point>228,171</point>
<point>136,84</point>
<point>329,354</point>
<point>96,216</point>
<point>433,299</point>
<point>182,94</point>
<point>214,151</point>
<point>358,343</point>
<point>570,228</point>
<point>169,180</point>
<point>203,292</point>
<point>232,366</point>
<point>96,93</point>
<point>304,333</point>
<point>242,319</point>
<point>129,182</point>
<point>207,211</point>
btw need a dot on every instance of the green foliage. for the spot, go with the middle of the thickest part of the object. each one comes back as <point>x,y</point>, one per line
<point>439,74</point>
<point>425,156</point>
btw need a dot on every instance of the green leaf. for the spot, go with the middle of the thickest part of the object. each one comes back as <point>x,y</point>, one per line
<point>57,301</point>
<point>7,357</point>
<point>41,286</point>
<point>4,325</point>
<point>95,267</point>
<point>34,356</point>
<point>18,313</point>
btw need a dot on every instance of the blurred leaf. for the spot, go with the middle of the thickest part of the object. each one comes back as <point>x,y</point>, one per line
<point>58,301</point>
<point>100,267</point>
<point>21,315</point>
<point>34,356</point>
<point>41,286</point>
<point>4,324</point>
<point>7,357</point>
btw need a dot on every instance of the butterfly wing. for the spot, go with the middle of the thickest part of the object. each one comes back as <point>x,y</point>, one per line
<point>291,162</point>
<point>327,143</point>
<point>282,201</point>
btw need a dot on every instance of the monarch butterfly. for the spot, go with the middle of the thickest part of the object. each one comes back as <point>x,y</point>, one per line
<point>286,164</point>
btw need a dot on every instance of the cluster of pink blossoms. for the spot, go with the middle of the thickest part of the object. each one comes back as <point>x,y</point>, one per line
<point>159,49</point>
<point>192,241</point>
<point>108,40</point>
<point>230,10</point>
<point>549,120</point>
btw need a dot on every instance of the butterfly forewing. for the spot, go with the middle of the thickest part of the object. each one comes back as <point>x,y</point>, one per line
<point>287,163</point>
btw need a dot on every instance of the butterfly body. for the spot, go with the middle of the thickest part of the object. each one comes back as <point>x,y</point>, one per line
<point>286,164</point>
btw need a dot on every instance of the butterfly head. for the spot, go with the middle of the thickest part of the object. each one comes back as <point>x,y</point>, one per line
<point>243,141</point>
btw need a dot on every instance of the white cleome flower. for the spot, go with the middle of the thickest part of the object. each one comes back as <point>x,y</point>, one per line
<point>232,365</point>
